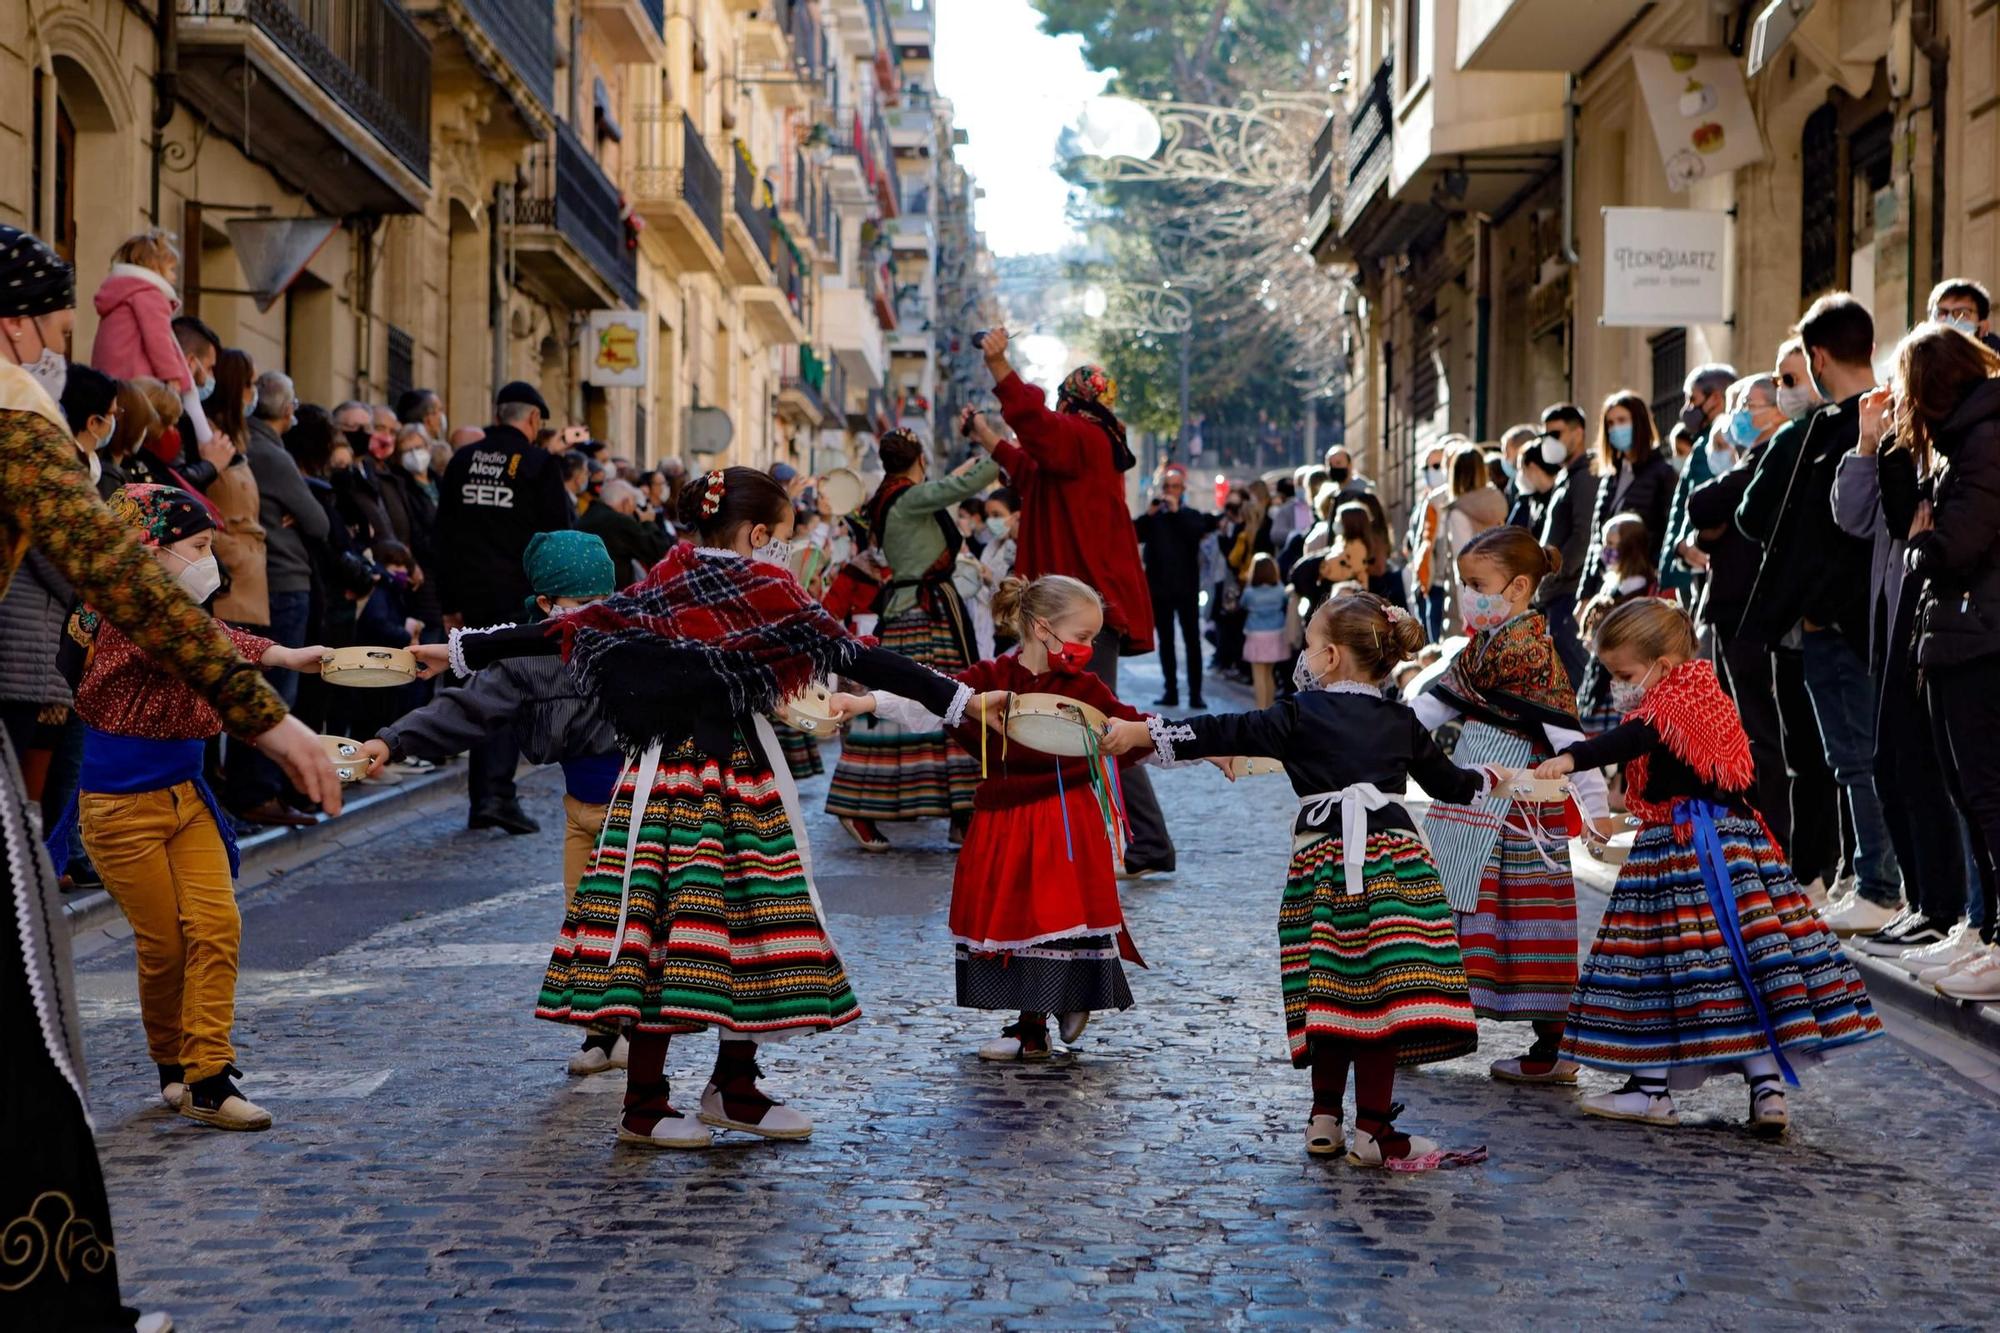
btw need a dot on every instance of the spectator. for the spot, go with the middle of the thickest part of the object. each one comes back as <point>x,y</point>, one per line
<point>160,457</point>
<point>1340,471</point>
<point>1170,535</point>
<point>1633,477</point>
<point>464,438</point>
<point>1967,306</point>
<point>1289,514</point>
<point>1570,526</point>
<point>118,461</point>
<point>635,546</point>
<point>341,572</point>
<point>1630,571</point>
<point>239,539</point>
<point>1003,521</point>
<point>494,497</point>
<point>574,469</point>
<point>423,407</point>
<point>1475,505</point>
<point>1814,578</point>
<point>1264,599</point>
<point>358,485</point>
<point>1949,407</point>
<point>1535,479</point>
<point>1702,401</point>
<point>90,404</point>
<point>1420,545</point>
<point>1514,442</point>
<point>203,454</point>
<point>136,305</point>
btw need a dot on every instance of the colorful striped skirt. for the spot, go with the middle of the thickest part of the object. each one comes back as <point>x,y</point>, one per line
<point>886,773</point>
<point>801,751</point>
<point>1380,965</point>
<point>720,927</point>
<point>1660,986</point>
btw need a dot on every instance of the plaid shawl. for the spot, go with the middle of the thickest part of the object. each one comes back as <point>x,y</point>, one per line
<point>706,638</point>
<point>1512,676</point>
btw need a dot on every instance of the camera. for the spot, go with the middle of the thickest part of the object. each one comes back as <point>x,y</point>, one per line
<point>979,339</point>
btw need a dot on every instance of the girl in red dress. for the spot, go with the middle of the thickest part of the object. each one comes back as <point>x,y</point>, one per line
<point>1034,902</point>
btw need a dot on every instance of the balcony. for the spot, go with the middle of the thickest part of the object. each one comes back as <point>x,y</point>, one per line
<point>882,295</point>
<point>911,127</point>
<point>1537,34</point>
<point>1323,196</point>
<point>854,166</point>
<point>571,240</point>
<point>333,96</point>
<point>634,29</point>
<point>911,235</point>
<point>780,311</point>
<point>677,189</point>
<point>802,388</point>
<point>509,43</point>
<point>912,27</point>
<point>746,228</point>
<point>764,40</point>
<point>849,327</point>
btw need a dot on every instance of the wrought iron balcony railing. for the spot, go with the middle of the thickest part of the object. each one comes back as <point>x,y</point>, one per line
<point>570,193</point>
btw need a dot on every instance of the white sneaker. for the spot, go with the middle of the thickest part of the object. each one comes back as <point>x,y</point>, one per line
<point>1858,916</point>
<point>1629,1103</point>
<point>1907,933</point>
<point>671,1131</point>
<point>1323,1136</point>
<point>1978,978</point>
<point>597,1059</point>
<point>1933,975</point>
<point>1959,941</point>
<point>1367,1149</point>
<point>1072,1025</point>
<point>779,1121</point>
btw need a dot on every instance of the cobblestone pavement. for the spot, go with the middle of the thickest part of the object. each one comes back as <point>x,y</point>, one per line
<point>433,1165</point>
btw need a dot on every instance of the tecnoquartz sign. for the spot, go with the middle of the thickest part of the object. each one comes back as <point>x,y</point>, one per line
<point>1665,267</point>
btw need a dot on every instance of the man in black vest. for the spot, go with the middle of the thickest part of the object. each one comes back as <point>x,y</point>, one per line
<point>495,495</point>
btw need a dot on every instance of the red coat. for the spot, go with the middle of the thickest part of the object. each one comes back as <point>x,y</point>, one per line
<point>1074,519</point>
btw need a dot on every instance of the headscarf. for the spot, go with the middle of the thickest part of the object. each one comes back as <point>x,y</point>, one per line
<point>1090,391</point>
<point>165,514</point>
<point>34,280</point>
<point>568,563</point>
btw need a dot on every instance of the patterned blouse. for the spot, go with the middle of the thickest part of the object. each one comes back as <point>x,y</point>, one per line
<point>46,499</point>
<point>127,693</point>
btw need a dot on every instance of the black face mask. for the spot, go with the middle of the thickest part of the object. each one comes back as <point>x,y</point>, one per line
<point>1338,475</point>
<point>359,439</point>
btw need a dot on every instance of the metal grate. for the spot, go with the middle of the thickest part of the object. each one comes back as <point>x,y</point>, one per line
<point>401,372</point>
<point>1819,203</point>
<point>1670,366</point>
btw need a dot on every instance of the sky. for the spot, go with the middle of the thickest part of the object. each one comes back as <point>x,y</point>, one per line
<point>1013,88</point>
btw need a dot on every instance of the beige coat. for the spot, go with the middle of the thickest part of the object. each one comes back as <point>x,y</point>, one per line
<point>239,545</point>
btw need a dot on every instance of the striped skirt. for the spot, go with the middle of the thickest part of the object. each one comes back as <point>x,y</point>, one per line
<point>1380,965</point>
<point>801,751</point>
<point>1660,986</point>
<point>720,928</point>
<point>886,773</point>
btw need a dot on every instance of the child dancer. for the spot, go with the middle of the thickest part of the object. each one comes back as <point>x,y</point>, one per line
<point>1629,572</point>
<point>1710,957</point>
<point>1506,864</point>
<point>698,909</point>
<point>1034,901</point>
<point>554,721</point>
<point>153,829</point>
<point>1369,963</point>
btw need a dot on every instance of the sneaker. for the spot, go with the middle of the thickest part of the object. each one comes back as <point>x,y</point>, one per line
<point>1323,1136</point>
<point>1017,1042</point>
<point>1978,978</point>
<point>596,1058</point>
<point>1931,976</point>
<point>864,832</point>
<point>1072,1025</point>
<point>414,766</point>
<point>1961,940</point>
<point>1916,931</point>
<point>1521,1069</point>
<point>1860,916</point>
<point>216,1101</point>
<point>1647,1106</point>
<point>173,1086</point>
<point>774,1119</point>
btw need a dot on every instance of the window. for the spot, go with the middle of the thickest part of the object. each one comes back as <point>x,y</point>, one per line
<point>60,229</point>
<point>401,369</point>
<point>1415,64</point>
<point>1670,357</point>
<point>1819,208</point>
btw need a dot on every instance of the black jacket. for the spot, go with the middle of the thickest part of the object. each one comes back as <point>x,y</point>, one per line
<point>1958,619</point>
<point>1171,542</point>
<point>1566,525</point>
<point>1810,569</point>
<point>1733,557</point>
<point>496,495</point>
<point>1650,495</point>
<point>629,541</point>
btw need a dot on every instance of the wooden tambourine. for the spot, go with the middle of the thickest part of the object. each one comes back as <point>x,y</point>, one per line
<point>368,668</point>
<point>1540,791</point>
<point>1255,766</point>
<point>1617,848</point>
<point>1054,724</point>
<point>843,492</point>
<point>809,711</point>
<point>349,764</point>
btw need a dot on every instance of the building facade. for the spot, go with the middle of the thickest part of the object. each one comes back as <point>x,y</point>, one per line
<point>1478,144</point>
<point>381,194</point>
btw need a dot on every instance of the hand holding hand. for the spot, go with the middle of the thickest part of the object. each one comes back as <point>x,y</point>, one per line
<point>433,659</point>
<point>376,753</point>
<point>1606,828</point>
<point>1123,735</point>
<point>1559,767</point>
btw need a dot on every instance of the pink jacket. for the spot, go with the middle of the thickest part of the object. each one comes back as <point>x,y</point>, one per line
<point>135,332</point>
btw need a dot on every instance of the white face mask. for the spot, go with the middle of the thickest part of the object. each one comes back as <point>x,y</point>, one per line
<point>1433,477</point>
<point>198,578</point>
<point>1797,401</point>
<point>1302,674</point>
<point>775,552</point>
<point>416,462</point>
<point>1627,695</point>
<point>51,371</point>
<point>1001,528</point>
<point>1482,610</point>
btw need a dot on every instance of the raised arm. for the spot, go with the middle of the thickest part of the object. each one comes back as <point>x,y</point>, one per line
<point>927,497</point>
<point>1054,441</point>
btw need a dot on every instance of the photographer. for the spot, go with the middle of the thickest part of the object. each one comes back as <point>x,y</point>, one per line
<point>1170,535</point>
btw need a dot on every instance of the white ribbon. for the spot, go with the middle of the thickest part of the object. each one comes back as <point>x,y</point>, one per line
<point>788,794</point>
<point>1355,803</point>
<point>635,814</point>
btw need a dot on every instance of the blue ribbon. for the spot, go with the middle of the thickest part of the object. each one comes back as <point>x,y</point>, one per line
<point>125,765</point>
<point>1062,801</point>
<point>1701,816</point>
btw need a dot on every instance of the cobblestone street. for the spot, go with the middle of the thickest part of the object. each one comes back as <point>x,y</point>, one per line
<point>433,1164</point>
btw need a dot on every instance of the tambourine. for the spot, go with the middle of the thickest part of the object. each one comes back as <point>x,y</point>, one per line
<point>843,492</point>
<point>810,711</point>
<point>368,668</point>
<point>1054,724</point>
<point>1615,850</point>
<point>349,764</point>
<point>1255,766</point>
<point>1541,791</point>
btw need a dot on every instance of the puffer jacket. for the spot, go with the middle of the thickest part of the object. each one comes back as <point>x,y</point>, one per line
<point>1958,619</point>
<point>32,614</point>
<point>135,329</point>
<point>551,717</point>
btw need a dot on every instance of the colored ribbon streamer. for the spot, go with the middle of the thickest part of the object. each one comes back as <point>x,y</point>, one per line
<point>1714,864</point>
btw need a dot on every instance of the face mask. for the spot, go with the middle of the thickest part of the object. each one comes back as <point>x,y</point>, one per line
<point>1482,610</point>
<point>1509,470</point>
<point>1338,475</point>
<point>1694,419</point>
<point>1302,674</point>
<point>1743,427</point>
<point>1619,436</point>
<point>204,389</point>
<point>416,462</point>
<point>1001,528</point>
<point>1069,659</point>
<point>358,440</point>
<point>774,552</point>
<point>51,371</point>
<point>1721,458</point>
<point>1796,401</point>
<point>1608,556</point>
<point>1434,477</point>
<point>444,427</point>
<point>1627,695</point>
<point>198,578</point>
<point>1965,324</point>
<point>166,446</point>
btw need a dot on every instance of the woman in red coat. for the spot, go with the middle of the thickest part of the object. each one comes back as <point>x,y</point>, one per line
<point>1069,466</point>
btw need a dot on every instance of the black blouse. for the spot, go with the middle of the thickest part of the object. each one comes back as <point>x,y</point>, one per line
<point>1327,740</point>
<point>1668,776</point>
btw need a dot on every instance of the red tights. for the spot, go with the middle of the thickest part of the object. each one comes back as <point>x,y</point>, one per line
<point>1374,1066</point>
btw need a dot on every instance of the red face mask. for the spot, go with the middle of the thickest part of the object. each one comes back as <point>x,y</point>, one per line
<point>166,446</point>
<point>1069,659</point>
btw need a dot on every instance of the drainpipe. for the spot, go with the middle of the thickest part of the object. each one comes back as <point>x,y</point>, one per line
<point>1924,24</point>
<point>1483,323</point>
<point>166,82</point>
<point>1570,256</point>
<point>362,271</point>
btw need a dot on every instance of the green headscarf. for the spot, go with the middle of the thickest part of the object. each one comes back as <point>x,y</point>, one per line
<point>568,563</point>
